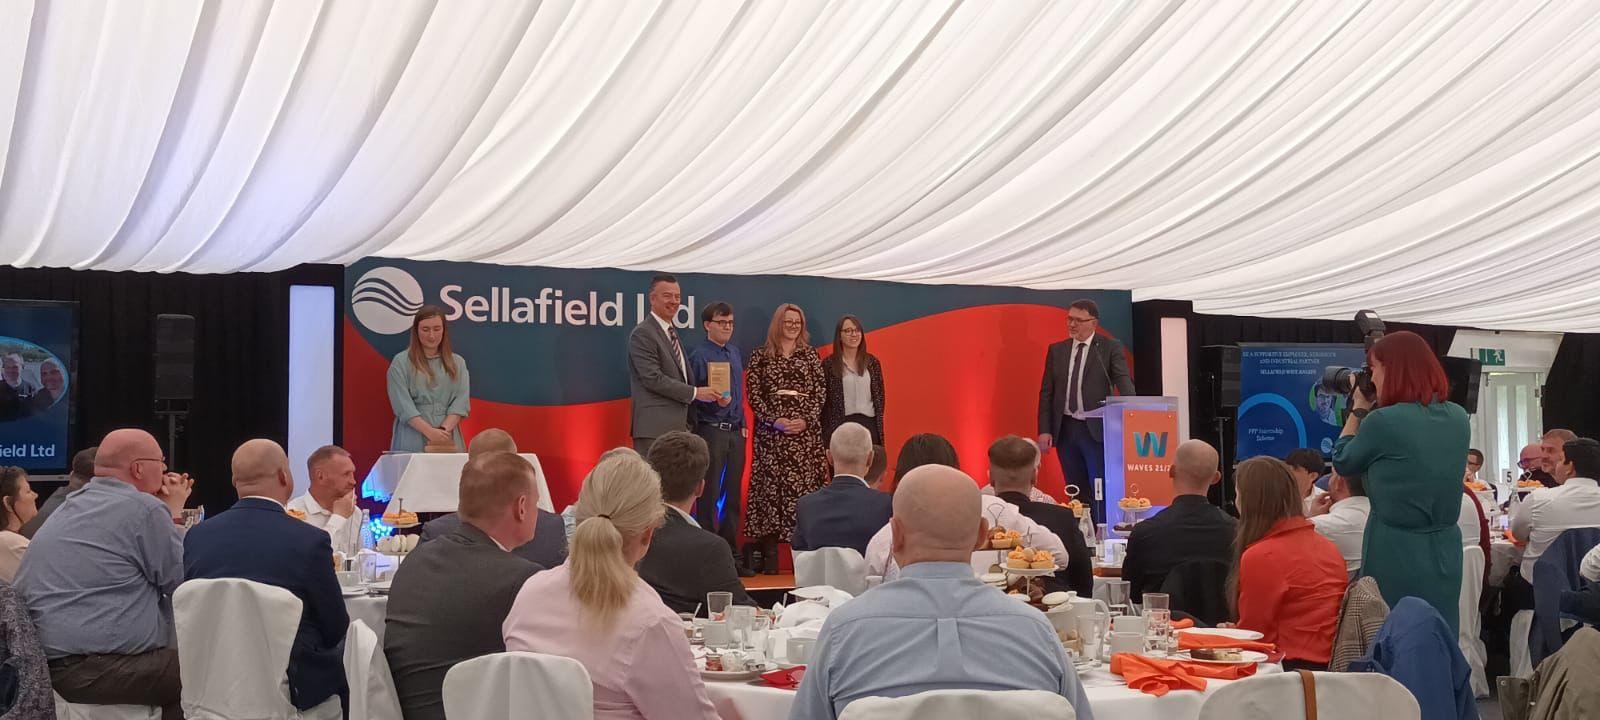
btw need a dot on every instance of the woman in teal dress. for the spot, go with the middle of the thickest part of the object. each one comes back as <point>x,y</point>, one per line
<point>428,387</point>
<point>1413,450</point>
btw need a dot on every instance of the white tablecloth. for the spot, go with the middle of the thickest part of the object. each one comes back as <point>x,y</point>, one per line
<point>430,482</point>
<point>1503,555</point>
<point>369,609</point>
<point>1108,696</point>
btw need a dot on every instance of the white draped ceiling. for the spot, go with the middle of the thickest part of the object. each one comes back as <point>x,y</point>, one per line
<point>1435,161</point>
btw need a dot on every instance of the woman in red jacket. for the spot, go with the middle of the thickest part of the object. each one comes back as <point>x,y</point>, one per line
<point>1288,581</point>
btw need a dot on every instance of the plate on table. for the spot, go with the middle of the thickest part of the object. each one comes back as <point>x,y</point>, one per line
<point>380,586</point>
<point>1245,657</point>
<point>728,675</point>
<point>1230,633</point>
<point>352,592</point>
<point>1030,572</point>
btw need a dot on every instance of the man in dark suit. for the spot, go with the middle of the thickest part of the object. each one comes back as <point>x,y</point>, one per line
<point>685,561</point>
<point>1013,470</point>
<point>547,549</point>
<point>256,540</point>
<point>658,369</point>
<point>1191,528</point>
<point>450,597</point>
<point>1079,374</point>
<point>847,511</point>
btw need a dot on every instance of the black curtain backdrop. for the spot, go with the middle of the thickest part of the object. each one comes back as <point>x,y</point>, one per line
<point>241,375</point>
<point>1572,388</point>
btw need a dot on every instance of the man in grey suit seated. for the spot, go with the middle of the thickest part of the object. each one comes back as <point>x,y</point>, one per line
<point>547,549</point>
<point>658,369</point>
<point>450,596</point>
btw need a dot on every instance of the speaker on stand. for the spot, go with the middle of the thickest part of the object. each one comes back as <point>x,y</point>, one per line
<point>174,376</point>
<point>1218,403</point>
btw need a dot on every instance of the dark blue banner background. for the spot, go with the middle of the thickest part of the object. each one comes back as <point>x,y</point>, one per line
<point>1280,405</point>
<point>33,435</point>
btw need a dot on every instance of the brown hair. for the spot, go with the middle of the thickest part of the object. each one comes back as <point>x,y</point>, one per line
<point>83,462</point>
<point>924,449</point>
<point>1086,305</point>
<point>836,360</point>
<point>1267,495</point>
<point>681,459</point>
<point>1012,461</point>
<point>11,479</point>
<point>324,454</point>
<point>775,330</point>
<point>491,440</point>
<point>419,361</point>
<point>880,463</point>
<point>491,482</point>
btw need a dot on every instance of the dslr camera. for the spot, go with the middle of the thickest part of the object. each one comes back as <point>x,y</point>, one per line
<point>1346,381</point>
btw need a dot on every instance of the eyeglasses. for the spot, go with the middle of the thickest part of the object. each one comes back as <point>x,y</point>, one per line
<point>850,331</point>
<point>1525,462</point>
<point>136,461</point>
<point>1078,321</point>
<point>723,323</point>
<point>793,323</point>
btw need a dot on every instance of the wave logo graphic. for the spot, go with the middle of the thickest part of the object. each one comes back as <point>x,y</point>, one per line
<point>385,299</point>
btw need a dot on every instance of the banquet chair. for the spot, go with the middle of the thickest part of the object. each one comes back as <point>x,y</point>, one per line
<point>843,568</point>
<point>1521,658</point>
<point>961,705</point>
<point>372,692</point>
<point>79,711</point>
<point>1471,621</point>
<point>1339,696</point>
<point>505,685</point>
<point>245,678</point>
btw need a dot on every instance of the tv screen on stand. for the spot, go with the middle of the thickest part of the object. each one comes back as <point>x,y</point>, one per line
<point>38,370</point>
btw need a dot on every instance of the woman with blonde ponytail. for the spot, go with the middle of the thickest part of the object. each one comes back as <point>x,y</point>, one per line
<point>596,610</point>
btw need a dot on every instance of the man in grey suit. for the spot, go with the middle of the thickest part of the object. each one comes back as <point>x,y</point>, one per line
<point>658,369</point>
<point>450,597</point>
<point>1079,374</point>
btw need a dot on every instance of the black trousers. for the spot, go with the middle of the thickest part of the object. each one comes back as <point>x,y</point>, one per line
<point>872,424</point>
<point>724,481</point>
<point>145,679</point>
<point>1083,459</point>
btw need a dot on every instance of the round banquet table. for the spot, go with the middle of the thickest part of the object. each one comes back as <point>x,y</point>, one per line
<point>1503,555</point>
<point>1108,696</point>
<point>369,609</point>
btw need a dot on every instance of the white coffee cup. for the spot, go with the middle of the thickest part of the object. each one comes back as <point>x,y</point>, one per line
<point>798,651</point>
<point>1127,642</point>
<point>1128,624</point>
<point>717,634</point>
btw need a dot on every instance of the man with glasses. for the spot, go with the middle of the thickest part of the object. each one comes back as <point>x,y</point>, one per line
<point>99,577</point>
<point>1079,374</point>
<point>720,423</point>
<point>1532,460</point>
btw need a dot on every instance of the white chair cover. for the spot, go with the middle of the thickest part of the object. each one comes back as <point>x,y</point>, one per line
<point>71,711</point>
<point>962,705</point>
<point>1521,659</point>
<point>246,677</point>
<point>843,568</point>
<point>372,693</point>
<point>511,684</point>
<point>1340,696</point>
<point>1471,620</point>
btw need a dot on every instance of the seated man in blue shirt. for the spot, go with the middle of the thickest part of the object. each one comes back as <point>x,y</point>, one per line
<point>937,627</point>
<point>98,580</point>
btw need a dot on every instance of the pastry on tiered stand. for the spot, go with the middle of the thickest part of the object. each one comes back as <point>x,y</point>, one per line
<point>1001,539</point>
<point>1025,558</point>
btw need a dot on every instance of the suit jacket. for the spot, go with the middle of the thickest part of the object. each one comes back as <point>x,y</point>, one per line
<point>685,562</point>
<point>661,393</point>
<point>256,540</point>
<point>547,549</point>
<point>844,513</point>
<point>1104,368</point>
<point>446,604</point>
<point>1061,521</point>
<point>833,401</point>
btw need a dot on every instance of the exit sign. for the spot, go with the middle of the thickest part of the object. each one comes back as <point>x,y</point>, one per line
<point>1492,357</point>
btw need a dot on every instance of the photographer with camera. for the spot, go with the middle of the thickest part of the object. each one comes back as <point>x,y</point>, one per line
<point>1410,442</point>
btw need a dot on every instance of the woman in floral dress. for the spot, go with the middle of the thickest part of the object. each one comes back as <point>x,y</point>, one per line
<point>786,388</point>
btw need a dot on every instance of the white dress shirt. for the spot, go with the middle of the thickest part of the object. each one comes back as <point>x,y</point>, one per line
<point>1590,569</point>
<point>343,533</point>
<point>1077,390</point>
<point>684,515</point>
<point>1345,523</point>
<point>1310,501</point>
<point>858,393</point>
<point>997,512</point>
<point>1541,516</point>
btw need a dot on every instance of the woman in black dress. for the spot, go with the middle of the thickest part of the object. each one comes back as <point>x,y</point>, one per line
<point>785,386</point>
<point>855,382</point>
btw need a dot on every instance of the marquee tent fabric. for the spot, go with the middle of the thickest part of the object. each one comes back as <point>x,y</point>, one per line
<point>1435,161</point>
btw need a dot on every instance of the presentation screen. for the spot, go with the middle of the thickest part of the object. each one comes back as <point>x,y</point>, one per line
<point>38,363</point>
<point>1282,405</point>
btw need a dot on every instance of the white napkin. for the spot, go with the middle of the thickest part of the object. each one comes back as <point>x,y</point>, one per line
<point>803,612</point>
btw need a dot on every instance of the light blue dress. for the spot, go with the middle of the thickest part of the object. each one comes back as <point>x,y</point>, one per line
<point>411,395</point>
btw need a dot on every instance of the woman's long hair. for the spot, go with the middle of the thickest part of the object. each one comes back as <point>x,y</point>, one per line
<point>1267,495</point>
<point>11,478</point>
<point>1411,372</point>
<point>924,449</point>
<point>620,500</point>
<point>836,360</point>
<point>419,360</point>
<point>775,331</point>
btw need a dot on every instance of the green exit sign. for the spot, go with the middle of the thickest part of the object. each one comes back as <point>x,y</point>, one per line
<point>1492,357</point>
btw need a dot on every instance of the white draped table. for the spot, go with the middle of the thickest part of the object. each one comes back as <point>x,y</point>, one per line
<point>370,609</point>
<point>430,482</point>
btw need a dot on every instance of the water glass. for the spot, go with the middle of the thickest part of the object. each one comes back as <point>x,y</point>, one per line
<point>740,618</point>
<point>1157,601</point>
<point>717,604</point>
<point>1158,634</point>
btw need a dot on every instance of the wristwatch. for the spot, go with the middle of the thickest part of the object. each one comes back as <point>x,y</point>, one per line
<point>1360,413</point>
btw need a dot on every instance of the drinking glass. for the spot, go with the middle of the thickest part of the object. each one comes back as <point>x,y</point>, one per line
<point>1157,601</point>
<point>717,604</point>
<point>740,618</point>
<point>1157,632</point>
<point>368,562</point>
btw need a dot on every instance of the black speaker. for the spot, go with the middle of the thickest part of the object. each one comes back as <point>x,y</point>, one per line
<point>1219,364</point>
<point>1465,376</point>
<point>174,357</point>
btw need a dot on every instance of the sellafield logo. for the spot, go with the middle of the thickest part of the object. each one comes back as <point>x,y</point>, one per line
<point>551,307</point>
<point>385,299</point>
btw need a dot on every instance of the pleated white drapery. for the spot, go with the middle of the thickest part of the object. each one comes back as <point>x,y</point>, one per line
<point>1435,161</point>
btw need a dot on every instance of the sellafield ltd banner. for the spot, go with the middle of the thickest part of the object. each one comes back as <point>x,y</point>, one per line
<point>546,351</point>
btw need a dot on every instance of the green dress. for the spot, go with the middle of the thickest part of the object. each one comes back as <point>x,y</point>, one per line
<point>1413,457</point>
<point>411,395</point>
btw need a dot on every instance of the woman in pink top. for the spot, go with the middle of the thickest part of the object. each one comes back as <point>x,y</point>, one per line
<point>596,610</point>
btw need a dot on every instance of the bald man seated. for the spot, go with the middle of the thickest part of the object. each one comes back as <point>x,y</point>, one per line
<point>937,627</point>
<point>257,540</point>
<point>547,549</point>
<point>1191,528</point>
<point>97,576</point>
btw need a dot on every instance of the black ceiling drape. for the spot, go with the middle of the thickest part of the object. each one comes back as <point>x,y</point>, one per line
<point>1572,389</point>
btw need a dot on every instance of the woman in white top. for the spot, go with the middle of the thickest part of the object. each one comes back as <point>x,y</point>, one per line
<point>855,382</point>
<point>20,503</point>
<point>596,610</point>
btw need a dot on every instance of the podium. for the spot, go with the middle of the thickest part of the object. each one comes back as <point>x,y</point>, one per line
<point>431,482</point>
<point>1141,437</point>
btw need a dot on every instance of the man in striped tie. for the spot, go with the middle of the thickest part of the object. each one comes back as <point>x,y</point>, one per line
<point>658,369</point>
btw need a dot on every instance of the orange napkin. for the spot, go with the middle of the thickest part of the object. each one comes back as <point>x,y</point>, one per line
<point>1153,676</point>
<point>1183,624</point>
<point>1192,641</point>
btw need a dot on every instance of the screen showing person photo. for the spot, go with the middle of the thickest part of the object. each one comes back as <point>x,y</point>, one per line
<point>38,342</point>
